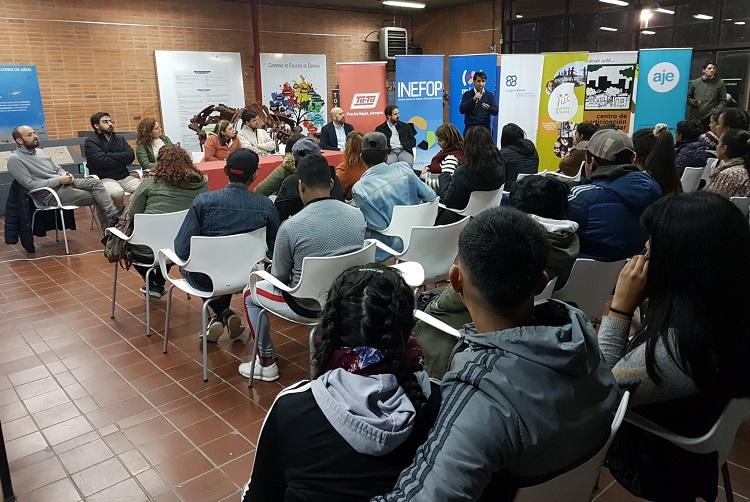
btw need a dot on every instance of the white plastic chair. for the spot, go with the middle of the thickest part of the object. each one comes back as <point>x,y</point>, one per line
<point>478,202</point>
<point>590,284</point>
<point>719,439</point>
<point>578,483</point>
<point>742,203</point>
<point>157,231</point>
<point>710,166</point>
<point>433,247</point>
<point>404,218</point>
<point>563,177</point>
<point>226,260</point>
<point>546,294</point>
<point>58,206</point>
<point>691,178</point>
<point>316,278</point>
<point>197,157</point>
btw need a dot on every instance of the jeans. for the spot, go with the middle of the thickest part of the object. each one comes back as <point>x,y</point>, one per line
<point>87,191</point>
<point>400,155</point>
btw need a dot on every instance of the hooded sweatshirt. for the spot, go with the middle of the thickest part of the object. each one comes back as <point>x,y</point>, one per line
<point>341,437</point>
<point>520,158</point>
<point>519,406</point>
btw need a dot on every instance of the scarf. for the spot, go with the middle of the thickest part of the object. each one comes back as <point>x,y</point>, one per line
<point>442,154</point>
<point>371,361</point>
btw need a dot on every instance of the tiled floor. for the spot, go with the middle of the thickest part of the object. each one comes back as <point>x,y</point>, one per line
<point>92,410</point>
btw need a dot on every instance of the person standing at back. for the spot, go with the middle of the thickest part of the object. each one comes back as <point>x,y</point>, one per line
<point>478,105</point>
<point>400,136</point>
<point>706,95</point>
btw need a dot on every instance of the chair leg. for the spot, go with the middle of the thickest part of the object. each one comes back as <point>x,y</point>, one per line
<point>65,234</point>
<point>727,482</point>
<point>148,302</point>
<point>204,338</point>
<point>92,217</point>
<point>313,364</point>
<point>114,290</point>
<point>166,321</point>
<point>254,353</point>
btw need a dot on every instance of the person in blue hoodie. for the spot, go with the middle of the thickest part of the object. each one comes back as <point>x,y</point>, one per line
<point>347,434</point>
<point>608,209</point>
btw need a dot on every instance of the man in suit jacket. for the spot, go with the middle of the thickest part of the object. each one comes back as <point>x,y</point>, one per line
<point>402,137</point>
<point>333,134</point>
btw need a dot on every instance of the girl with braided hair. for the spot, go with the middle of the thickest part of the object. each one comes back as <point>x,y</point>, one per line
<point>347,434</point>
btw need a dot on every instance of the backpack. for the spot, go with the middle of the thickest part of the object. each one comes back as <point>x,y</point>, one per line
<point>117,250</point>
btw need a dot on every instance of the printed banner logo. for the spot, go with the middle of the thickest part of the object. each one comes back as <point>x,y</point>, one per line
<point>468,77</point>
<point>511,81</point>
<point>663,77</point>
<point>365,101</point>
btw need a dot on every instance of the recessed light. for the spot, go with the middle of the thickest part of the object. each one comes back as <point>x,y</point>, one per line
<point>404,3</point>
<point>702,17</point>
<point>646,15</point>
<point>665,11</point>
<point>648,32</point>
<point>621,3</point>
<point>519,16</point>
<point>740,23</point>
<point>607,28</point>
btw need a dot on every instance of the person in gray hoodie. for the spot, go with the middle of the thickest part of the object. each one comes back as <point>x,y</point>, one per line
<point>531,396</point>
<point>346,435</point>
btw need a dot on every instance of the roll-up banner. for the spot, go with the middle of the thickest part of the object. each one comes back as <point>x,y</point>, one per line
<point>419,97</point>
<point>662,87</point>
<point>462,70</point>
<point>519,88</point>
<point>563,92</point>
<point>362,91</point>
<point>609,88</point>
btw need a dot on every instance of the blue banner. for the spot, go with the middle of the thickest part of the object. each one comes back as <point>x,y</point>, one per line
<point>462,69</point>
<point>419,97</point>
<point>663,76</point>
<point>20,101</point>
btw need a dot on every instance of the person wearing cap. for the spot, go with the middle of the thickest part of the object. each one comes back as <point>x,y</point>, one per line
<point>288,202</point>
<point>384,186</point>
<point>229,211</point>
<point>333,134</point>
<point>609,208</point>
<point>401,137</point>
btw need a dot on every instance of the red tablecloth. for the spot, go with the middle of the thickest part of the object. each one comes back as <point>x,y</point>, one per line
<point>217,179</point>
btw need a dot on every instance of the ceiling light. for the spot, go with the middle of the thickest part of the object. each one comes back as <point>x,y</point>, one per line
<point>607,28</point>
<point>702,17</point>
<point>648,32</point>
<point>664,11</point>
<point>727,19</point>
<point>519,16</point>
<point>646,15</point>
<point>621,3</point>
<point>404,3</point>
<point>740,23</point>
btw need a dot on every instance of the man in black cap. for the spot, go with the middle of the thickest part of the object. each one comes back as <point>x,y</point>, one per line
<point>229,211</point>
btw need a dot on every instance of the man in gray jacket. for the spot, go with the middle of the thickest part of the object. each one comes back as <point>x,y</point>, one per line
<point>531,396</point>
<point>706,95</point>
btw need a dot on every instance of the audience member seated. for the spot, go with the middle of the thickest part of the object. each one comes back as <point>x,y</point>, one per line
<point>732,118</point>
<point>169,187</point>
<point>401,137</point>
<point>609,207</point>
<point>272,183</point>
<point>253,136</point>
<point>518,153</point>
<point>384,186</point>
<point>229,211</point>
<point>347,434</point>
<point>531,395</point>
<point>221,142</point>
<point>451,154</point>
<point>108,156</point>
<point>333,135</point>
<point>289,202</point>
<point>546,200</point>
<point>482,170</point>
<point>352,167</point>
<point>570,165</point>
<point>690,152</point>
<point>655,154</point>
<point>690,357</point>
<point>32,169</point>
<point>730,178</point>
<point>307,233</point>
<point>150,138</point>
<point>710,139</point>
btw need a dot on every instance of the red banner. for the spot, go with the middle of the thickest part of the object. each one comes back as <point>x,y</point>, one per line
<point>363,96</point>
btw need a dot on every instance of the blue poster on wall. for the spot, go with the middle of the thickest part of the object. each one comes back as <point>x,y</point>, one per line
<point>663,76</point>
<point>419,97</point>
<point>462,69</point>
<point>20,101</point>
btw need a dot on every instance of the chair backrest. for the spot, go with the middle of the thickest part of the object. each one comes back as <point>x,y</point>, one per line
<point>590,284</point>
<point>227,260</point>
<point>318,273</point>
<point>578,483</point>
<point>691,178</point>
<point>563,177</point>
<point>197,156</point>
<point>404,218</point>
<point>742,203</point>
<point>435,248</point>
<point>157,231</point>
<point>481,200</point>
<point>710,166</point>
<point>546,294</point>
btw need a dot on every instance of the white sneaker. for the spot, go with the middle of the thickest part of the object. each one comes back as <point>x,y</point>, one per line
<point>262,373</point>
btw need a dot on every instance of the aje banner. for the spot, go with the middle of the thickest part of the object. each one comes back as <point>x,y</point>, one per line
<point>362,89</point>
<point>295,85</point>
<point>561,105</point>
<point>462,70</point>
<point>609,90</point>
<point>419,97</point>
<point>519,88</point>
<point>662,87</point>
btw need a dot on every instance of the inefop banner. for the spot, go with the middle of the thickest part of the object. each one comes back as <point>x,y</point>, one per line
<point>462,70</point>
<point>419,97</point>
<point>662,87</point>
<point>519,88</point>
<point>363,95</point>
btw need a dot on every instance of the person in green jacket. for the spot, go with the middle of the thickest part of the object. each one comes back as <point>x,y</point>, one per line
<point>149,139</point>
<point>272,183</point>
<point>706,95</point>
<point>546,200</point>
<point>171,186</point>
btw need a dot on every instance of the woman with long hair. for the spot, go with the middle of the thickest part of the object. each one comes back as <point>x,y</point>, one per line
<point>221,142</point>
<point>655,154</point>
<point>483,169</point>
<point>730,178</point>
<point>348,434</point>
<point>149,139</point>
<point>690,356</point>
<point>169,187</point>
<point>448,158</point>
<point>352,167</point>
<point>518,153</point>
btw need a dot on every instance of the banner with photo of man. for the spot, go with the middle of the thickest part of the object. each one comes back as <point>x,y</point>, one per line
<point>419,97</point>
<point>362,91</point>
<point>519,89</point>
<point>609,89</point>
<point>462,69</point>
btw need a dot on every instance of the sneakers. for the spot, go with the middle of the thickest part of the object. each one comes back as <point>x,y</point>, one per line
<point>215,330</point>
<point>155,292</point>
<point>234,325</point>
<point>262,373</point>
